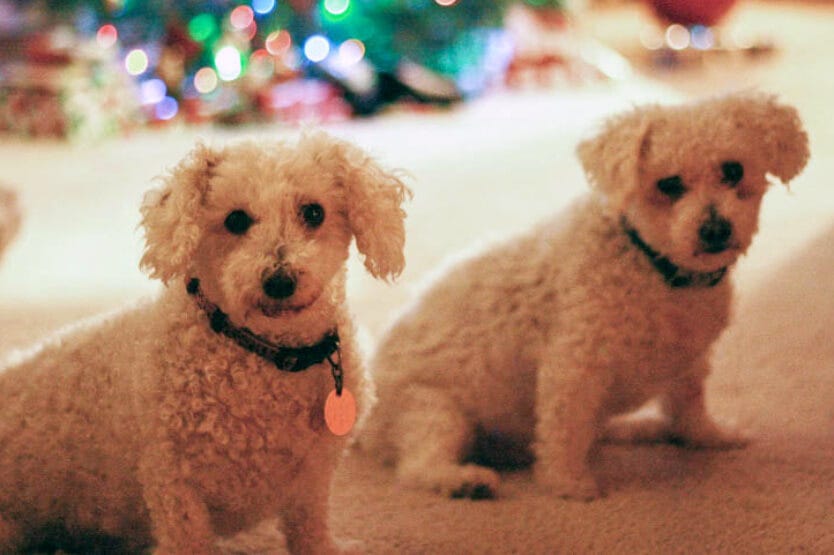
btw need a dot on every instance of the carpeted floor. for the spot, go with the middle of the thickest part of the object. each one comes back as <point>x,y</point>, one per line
<point>487,169</point>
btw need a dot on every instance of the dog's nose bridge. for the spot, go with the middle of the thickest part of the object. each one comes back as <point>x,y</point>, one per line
<point>712,213</point>
<point>276,259</point>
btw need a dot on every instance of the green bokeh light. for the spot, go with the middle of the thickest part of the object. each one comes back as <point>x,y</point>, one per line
<point>202,27</point>
<point>336,7</point>
<point>336,10</point>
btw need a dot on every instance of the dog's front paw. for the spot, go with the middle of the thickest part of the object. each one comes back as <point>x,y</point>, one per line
<point>469,481</point>
<point>713,436</point>
<point>473,482</point>
<point>583,487</point>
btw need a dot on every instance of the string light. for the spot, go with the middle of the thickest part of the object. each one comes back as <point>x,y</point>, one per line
<point>316,48</point>
<point>351,52</point>
<point>136,61</point>
<point>205,80</point>
<point>677,37</point>
<point>278,42</point>
<point>107,36</point>
<point>261,64</point>
<point>202,27</point>
<point>228,63</point>
<point>650,38</point>
<point>263,7</point>
<point>336,7</point>
<point>251,31</point>
<point>242,17</point>
<point>166,109</point>
<point>152,91</point>
<point>702,37</point>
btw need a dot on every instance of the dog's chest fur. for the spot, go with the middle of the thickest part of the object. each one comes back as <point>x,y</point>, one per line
<point>651,334</point>
<point>243,429</point>
<point>661,341</point>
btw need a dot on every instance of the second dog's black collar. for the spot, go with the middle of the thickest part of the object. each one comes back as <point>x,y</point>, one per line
<point>674,276</point>
<point>287,359</point>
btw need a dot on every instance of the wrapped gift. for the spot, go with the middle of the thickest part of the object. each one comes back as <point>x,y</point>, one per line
<point>62,88</point>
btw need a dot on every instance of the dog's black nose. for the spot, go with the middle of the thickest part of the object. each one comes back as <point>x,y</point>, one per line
<point>715,233</point>
<point>279,285</point>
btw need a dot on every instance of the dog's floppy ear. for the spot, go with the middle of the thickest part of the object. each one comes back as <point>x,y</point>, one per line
<point>775,129</point>
<point>374,200</point>
<point>611,159</point>
<point>169,215</point>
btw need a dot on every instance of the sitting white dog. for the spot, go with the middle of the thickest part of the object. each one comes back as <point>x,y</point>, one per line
<point>537,342</point>
<point>204,412</point>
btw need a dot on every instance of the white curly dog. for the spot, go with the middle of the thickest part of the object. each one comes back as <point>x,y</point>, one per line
<point>199,414</point>
<point>536,342</point>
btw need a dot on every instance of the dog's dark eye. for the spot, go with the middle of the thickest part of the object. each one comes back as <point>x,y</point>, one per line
<point>313,215</point>
<point>732,172</point>
<point>238,222</point>
<point>671,186</point>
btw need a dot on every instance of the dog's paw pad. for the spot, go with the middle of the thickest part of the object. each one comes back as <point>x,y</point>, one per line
<point>714,437</point>
<point>473,491</point>
<point>473,482</point>
<point>582,488</point>
<point>579,491</point>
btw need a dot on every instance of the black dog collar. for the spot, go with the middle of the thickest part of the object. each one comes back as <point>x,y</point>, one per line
<point>673,274</point>
<point>286,359</point>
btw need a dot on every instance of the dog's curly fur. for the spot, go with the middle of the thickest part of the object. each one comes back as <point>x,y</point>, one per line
<point>539,340</point>
<point>147,426</point>
<point>9,218</point>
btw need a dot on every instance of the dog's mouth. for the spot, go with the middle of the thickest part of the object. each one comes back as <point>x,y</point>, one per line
<point>279,309</point>
<point>713,250</point>
<point>708,259</point>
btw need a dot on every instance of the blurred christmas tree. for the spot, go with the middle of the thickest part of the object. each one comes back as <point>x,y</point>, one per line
<point>239,58</point>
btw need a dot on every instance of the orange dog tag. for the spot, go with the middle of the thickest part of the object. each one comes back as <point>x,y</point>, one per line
<point>340,412</point>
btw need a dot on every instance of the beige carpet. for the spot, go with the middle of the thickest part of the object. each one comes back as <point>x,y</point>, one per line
<point>491,168</point>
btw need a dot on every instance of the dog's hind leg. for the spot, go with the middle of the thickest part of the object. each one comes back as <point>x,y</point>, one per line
<point>433,437</point>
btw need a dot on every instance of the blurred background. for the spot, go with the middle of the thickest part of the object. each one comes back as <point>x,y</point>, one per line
<point>115,64</point>
<point>482,102</point>
<point>91,68</point>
